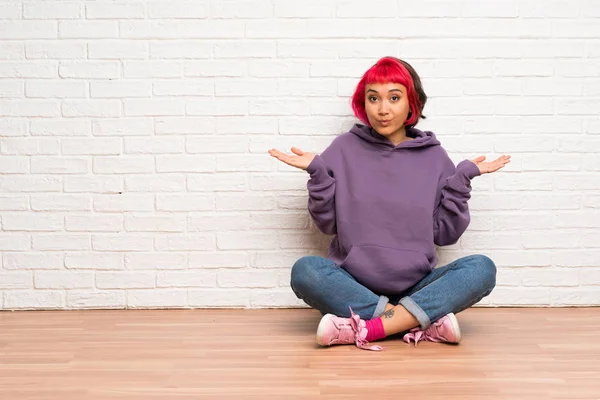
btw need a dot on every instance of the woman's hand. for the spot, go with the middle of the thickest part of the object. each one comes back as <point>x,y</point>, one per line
<point>488,167</point>
<point>301,160</point>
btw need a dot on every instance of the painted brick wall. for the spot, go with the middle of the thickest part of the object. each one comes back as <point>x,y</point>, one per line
<point>133,139</point>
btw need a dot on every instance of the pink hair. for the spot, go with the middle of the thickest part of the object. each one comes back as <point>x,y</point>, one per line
<point>386,70</point>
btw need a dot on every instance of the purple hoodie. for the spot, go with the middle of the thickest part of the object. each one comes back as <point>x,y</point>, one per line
<point>388,205</point>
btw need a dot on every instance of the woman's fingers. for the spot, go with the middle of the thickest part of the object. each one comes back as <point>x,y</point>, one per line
<point>491,166</point>
<point>503,160</point>
<point>500,162</point>
<point>278,154</point>
<point>290,160</point>
<point>275,152</point>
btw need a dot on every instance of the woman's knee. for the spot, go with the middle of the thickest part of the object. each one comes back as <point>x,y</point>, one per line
<point>486,270</point>
<point>305,273</point>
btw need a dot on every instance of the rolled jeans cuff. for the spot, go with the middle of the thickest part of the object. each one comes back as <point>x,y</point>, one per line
<point>380,308</point>
<point>416,311</point>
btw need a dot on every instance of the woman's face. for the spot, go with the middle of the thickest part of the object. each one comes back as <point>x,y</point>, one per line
<point>387,108</point>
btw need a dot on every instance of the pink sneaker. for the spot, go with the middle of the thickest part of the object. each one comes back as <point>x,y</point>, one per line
<point>445,329</point>
<point>337,330</point>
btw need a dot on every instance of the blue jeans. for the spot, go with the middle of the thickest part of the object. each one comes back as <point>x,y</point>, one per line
<point>323,285</point>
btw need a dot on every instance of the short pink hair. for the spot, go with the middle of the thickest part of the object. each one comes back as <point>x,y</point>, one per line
<point>386,70</point>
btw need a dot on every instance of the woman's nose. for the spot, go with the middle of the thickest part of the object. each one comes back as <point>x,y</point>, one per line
<point>383,108</point>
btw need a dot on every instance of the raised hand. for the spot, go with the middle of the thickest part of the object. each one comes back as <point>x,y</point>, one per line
<point>493,166</point>
<point>300,160</point>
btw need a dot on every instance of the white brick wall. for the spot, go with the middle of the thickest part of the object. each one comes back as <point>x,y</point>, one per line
<point>133,139</point>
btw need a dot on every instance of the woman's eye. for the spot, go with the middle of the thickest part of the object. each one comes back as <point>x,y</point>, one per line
<point>372,98</point>
<point>395,98</point>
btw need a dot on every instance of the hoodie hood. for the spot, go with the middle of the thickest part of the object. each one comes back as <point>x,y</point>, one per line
<point>421,139</point>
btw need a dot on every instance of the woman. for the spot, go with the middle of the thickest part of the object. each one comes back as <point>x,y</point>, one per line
<point>389,193</point>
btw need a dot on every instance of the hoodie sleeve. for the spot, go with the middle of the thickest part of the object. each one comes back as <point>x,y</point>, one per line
<point>451,216</point>
<point>321,196</point>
